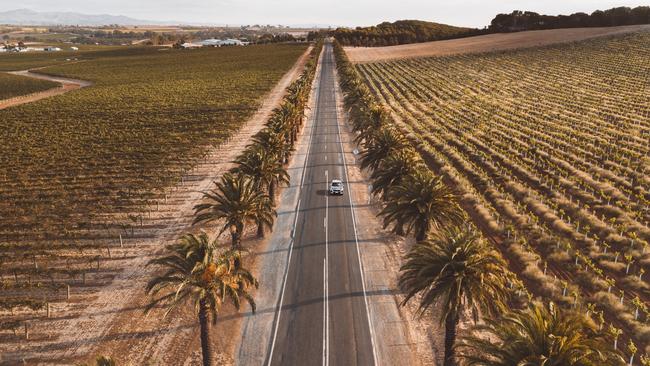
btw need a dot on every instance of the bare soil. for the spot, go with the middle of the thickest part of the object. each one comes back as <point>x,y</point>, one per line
<point>485,43</point>
<point>67,85</point>
<point>110,321</point>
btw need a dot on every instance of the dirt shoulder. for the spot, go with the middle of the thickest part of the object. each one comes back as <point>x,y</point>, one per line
<point>67,85</point>
<point>485,43</point>
<point>110,320</point>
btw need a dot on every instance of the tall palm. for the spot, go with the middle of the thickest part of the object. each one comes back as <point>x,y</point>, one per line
<point>373,120</point>
<point>237,202</point>
<point>265,215</point>
<point>457,270</point>
<point>264,166</point>
<point>392,171</point>
<point>379,146</point>
<point>538,335</point>
<point>274,141</point>
<point>421,202</point>
<point>290,114</point>
<point>196,272</point>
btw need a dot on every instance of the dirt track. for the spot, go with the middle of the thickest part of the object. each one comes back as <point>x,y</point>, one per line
<point>66,86</point>
<point>486,43</point>
<point>111,321</point>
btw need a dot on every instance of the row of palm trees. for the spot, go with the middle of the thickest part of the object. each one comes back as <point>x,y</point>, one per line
<point>197,269</point>
<point>451,268</point>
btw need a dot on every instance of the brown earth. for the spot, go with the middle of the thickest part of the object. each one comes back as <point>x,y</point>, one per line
<point>66,86</point>
<point>485,43</point>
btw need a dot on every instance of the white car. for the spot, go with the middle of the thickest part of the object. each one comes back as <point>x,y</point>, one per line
<point>336,187</point>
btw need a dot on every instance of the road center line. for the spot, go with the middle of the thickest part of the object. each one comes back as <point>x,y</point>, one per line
<point>326,280</point>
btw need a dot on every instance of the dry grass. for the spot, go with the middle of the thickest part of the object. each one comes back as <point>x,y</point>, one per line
<point>486,43</point>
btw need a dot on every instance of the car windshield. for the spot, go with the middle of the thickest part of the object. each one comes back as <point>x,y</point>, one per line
<point>336,184</point>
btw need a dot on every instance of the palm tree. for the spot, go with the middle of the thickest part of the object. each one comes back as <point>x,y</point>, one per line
<point>289,115</point>
<point>104,361</point>
<point>264,166</point>
<point>379,146</point>
<point>237,202</point>
<point>373,120</point>
<point>457,270</point>
<point>196,272</point>
<point>392,171</point>
<point>274,140</point>
<point>538,335</point>
<point>420,203</point>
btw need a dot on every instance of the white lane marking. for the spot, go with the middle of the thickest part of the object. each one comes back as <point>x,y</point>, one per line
<point>326,280</point>
<point>295,222</point>
<point>356,241</point>
<point>286,271</point>
<point>326,315</point>
<point>324,311</point>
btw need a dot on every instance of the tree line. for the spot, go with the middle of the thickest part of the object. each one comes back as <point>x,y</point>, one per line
<point>415,31</point>
<point>451,267</point>
<point>399,32</point>
<point>527,20</point>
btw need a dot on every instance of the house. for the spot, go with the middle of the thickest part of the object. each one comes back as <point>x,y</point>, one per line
<point>213,42</point>
<point>231,42</point>
<point>188,45</point>
<point>222,42</point>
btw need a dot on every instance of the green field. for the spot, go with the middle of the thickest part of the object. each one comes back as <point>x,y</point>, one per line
<point>106,150</point>
<point>27,60</point>
<point>14,85</point>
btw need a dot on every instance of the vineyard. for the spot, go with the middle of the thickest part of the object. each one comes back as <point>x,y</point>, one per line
<point>549,150</point>
<point>14,85</point>
<point>81,173</point>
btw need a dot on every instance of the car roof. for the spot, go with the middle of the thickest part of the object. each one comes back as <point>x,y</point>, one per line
<point>336,181</point>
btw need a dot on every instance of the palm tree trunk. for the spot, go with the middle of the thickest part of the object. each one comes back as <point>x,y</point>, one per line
<point>260,230</point>
<point>205,323</point>
<point>451,324</point>
<point>235,241</point>
<point>272,191</point>
<point>421,235</point>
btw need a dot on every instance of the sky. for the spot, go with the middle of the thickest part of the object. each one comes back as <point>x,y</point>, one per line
<point>474,13</point>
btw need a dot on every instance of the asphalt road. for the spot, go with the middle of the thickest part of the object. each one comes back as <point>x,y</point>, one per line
<point>323,317</point>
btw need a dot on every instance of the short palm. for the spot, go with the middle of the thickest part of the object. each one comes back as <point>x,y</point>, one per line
<point>382,144</point>
<point>196,272</point>
<point>273,140</point>
<point>392,171</point>
<point>236,201</point>
<point>371,122</point>
<point>539,335</point>
<point>264,166</point>
<point>420,203</point>
<point>457,270</point>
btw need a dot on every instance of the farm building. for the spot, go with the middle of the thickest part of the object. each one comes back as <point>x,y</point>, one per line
<point>221,42</point>
<point>187,45</point>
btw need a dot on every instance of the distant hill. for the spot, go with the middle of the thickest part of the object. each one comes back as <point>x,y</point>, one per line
<point>30,17</point>
<point>400,32</point>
